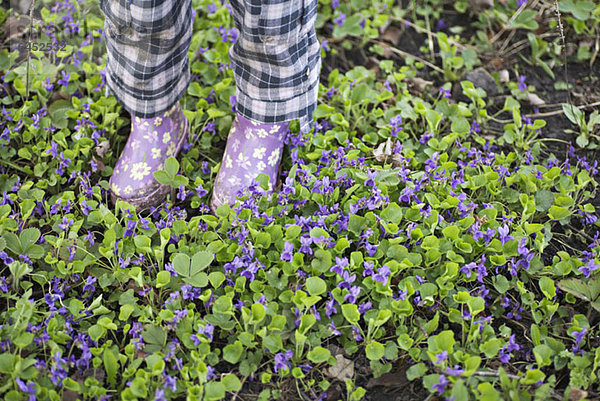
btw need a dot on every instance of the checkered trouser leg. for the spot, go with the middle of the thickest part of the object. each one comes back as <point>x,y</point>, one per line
<point>147,42</point>
<point>276,59</point>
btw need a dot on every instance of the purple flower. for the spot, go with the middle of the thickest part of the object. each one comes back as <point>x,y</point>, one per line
<point>64,81</point>
<point>441,357</point>
<point>382,274</point>
<point>445,92</point>
<point>588,268</point>
<point>505,351</point>
<point>579,336</point>
<point>456,371</point>
<point>340,19</point>
<point>334,330</point>
<point>88,284</point>
<point>85,209</point>
<point>356,333</point>
<point>340,264</point>
<point>522,84</point>
<point>503,233</point>
<point>66,223</point>
<point>48,85</point>
<point>282,360</point>
<point>130,231</point>
<point>521,2</point>
<point>352,295</point>
<point>305,242</point>
<point>287,254</point>
<point>396,123</point>
<point>441,25</point>
<point>159,395</point>
<point>365,306</point>
<point>440,386</point>
<point>370,182</point>
<point>89,237</point>
<point>28,388</point>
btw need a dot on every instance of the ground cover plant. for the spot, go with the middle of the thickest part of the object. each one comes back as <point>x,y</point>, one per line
<point>435,237</point>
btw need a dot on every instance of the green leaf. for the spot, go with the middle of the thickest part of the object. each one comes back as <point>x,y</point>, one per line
<point>316,285</point>
<point>28,237</point>
<point>273,342</point>
<point>181,264</point>
<point>214,391</point>
<point>576,287</point>
<point>547,286</point>
<point>154,335</point>
<point>171,166</point>
<point>216,279</point>
<point>162,278</point>
<point>201,260</point>
<point>491,347</point>
<point>162,177</point>
<point>416,371</point>
<point>525,20</point>
<point>111,365</point>
<point>231,382</point>
<point>375,351</point>
<point>318,355</point>
<point>350,312</point>
<point>233,352</point>
<point>542,355</point>
<point>392,213</point>
<point>558,213</point>
<point>58,110</point>
<point>451,233</point>
<point>7,362</point>
<point>543,200</point>
<point>476,305</point>
<point>460,125</point>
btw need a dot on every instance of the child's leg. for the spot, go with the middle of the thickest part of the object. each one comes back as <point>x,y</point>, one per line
<point>147,70</point>
<point>276,60</point>
<point>276,64</point>
<point>147,42</point>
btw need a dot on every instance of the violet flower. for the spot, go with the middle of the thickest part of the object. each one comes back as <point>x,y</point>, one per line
<point>440,386</point>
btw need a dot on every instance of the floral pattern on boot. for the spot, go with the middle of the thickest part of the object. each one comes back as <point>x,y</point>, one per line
<point>150,143</point>
<point>252,148</point>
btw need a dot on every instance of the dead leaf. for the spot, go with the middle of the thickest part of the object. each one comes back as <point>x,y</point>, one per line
<point>535,100</point>
<point>418,84</point>
<point>395,379</point>
<point>69,395</point>
<point>344,369</point>
<point>16,28</point>
<point>383,150</point>
<point>481,4</point>
<point>99,163</point>
<point>334,393</point>
<point>102,148</point>
<point>334,349</point>
<point>576,394</point>
<point>392,35</point>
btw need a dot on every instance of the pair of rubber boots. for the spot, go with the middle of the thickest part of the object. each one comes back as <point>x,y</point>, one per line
<point>252,148</point>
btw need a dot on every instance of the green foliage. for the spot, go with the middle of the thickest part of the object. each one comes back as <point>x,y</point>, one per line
<point>460,253</point>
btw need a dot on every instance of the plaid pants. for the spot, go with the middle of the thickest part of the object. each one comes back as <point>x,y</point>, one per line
<point>276,58</point>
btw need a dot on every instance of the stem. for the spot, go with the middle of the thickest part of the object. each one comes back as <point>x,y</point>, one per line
<point>14,166</point>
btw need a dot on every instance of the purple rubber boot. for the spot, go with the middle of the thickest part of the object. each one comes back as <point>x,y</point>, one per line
<point>150,143</point>
<point>252,148</point>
